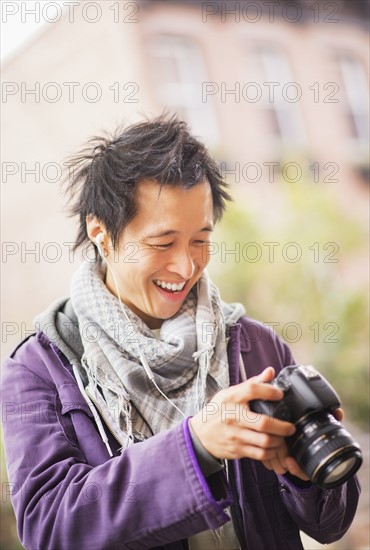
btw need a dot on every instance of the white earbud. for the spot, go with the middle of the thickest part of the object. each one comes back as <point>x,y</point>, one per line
<point>98,240</point>
<point>99,237</point>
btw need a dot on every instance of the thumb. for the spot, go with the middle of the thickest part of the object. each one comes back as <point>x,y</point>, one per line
<point>266,375</point>
<point>339,414</point>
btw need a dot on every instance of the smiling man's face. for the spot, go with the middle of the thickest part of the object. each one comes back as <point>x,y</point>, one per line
<point>166,244</point>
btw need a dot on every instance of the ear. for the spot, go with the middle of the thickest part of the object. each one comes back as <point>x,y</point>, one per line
<point>94,227</point>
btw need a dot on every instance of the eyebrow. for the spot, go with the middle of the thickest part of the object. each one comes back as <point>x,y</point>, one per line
<point>167,232</point>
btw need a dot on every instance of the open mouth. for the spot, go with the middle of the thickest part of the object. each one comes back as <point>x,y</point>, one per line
<point>171,288</point>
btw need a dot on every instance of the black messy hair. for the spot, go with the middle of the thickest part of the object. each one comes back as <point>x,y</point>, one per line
<point>103,178</point>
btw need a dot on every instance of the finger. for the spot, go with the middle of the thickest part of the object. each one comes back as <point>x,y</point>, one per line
<point>256,453</point>
<point>267,464</point>
<point>277,466</point>
<point>294,469</point>
<point>243,389</point>
<point>266,375</point>
<point>277,462</point>
<point>281,454</point>
<point>254,389</point>
<point>338,414</point>
<point>263,440</point>
<point>267,424</point>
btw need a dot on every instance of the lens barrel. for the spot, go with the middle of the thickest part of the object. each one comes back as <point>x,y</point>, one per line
<point>325,451</point>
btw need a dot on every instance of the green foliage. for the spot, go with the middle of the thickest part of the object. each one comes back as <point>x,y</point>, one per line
<point>308,284</point>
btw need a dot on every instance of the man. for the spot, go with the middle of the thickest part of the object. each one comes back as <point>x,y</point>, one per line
<point>143,437</point>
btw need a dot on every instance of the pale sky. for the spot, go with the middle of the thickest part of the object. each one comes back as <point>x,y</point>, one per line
<point>18,23</point>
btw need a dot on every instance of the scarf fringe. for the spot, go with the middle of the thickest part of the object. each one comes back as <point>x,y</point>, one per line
<point>192,346</point>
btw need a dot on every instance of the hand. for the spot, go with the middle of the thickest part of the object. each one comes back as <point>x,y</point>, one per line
<point>227,428</point>
<point>339,414</point>
<point>283,463</point>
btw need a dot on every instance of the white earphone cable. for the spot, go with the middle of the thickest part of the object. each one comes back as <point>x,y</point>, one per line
<point>141,353</point>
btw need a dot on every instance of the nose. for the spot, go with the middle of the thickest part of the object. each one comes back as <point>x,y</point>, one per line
<point>182,263</point>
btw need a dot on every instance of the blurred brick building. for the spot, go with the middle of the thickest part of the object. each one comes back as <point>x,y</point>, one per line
<point>277,89</point>
<point>267,85</point>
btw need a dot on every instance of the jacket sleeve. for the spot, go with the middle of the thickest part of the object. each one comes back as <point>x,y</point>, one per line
<point>324,514</point>
<point>151,494</point>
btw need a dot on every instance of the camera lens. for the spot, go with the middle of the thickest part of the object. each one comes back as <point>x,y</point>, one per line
<point>340,468</point>
<point>325,451</point>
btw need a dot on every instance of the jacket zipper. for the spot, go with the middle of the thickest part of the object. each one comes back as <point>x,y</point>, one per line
<point>235,512</point>
<point>231,511</point>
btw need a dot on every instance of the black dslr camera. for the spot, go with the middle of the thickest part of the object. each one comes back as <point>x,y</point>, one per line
<point>324,450</point>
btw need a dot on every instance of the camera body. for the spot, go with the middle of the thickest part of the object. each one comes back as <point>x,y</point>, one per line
<point>305,391</point>
<point>324,450</point>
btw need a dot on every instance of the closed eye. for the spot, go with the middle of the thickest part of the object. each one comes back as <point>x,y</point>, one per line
<point>161,245</point>
<point>167,245</point>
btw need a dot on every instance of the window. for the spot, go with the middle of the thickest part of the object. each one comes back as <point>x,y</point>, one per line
<point>179,71</point>
<point>356,90</point>
<point>280,98</point>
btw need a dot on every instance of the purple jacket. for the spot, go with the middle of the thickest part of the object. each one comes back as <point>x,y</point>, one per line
<point>69,494</point>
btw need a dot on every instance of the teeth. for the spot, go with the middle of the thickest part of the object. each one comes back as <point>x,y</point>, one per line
<point>170,286</point>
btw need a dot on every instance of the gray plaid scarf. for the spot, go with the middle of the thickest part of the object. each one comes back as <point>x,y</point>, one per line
<point>188,360</point>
